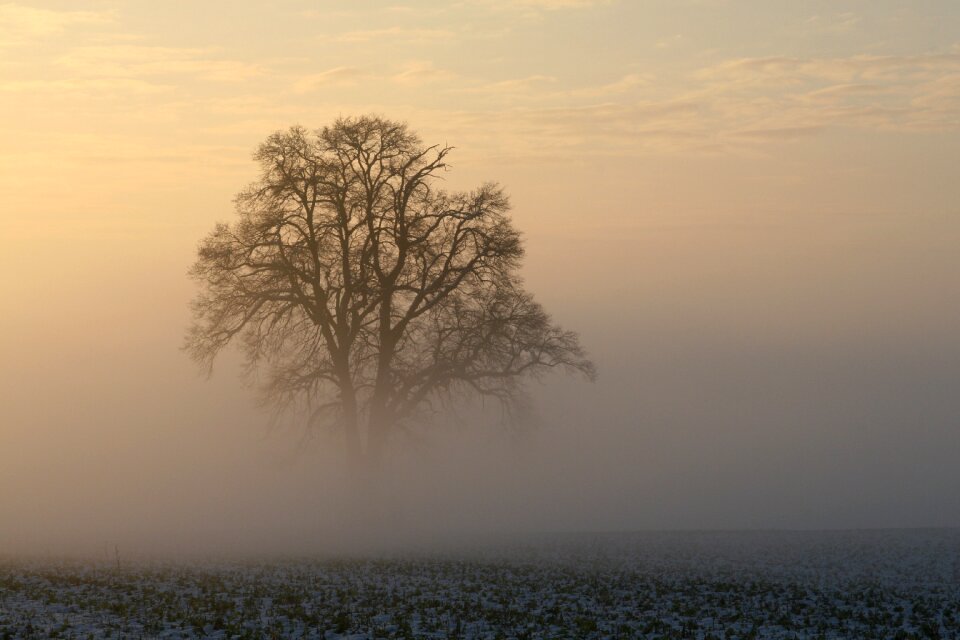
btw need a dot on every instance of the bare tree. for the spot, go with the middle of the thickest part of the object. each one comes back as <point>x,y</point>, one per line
<point>363,294</point>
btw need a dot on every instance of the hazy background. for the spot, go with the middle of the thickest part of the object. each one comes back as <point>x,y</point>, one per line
<point>748,209</point>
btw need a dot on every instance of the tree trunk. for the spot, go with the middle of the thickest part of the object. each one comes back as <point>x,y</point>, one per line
<point>380,420</point>
<point>377,432</point>
<point>351,419</point>
<point>351,431</point>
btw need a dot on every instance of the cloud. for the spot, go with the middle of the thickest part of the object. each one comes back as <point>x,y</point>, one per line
<point>543,88</point>
<point>847,90</point>
<point>535,9</point>
<point>20,24</point>
<point>734,105</point>
<point>402,34</point>
<point>914,92</point>
<point>551,133</point>
<point>534,86</point>
<point>512,85</point>
<point>840,23</point>
<point>338,76</point>
<point>782,70</point>
<point>132,60</point>
<point>124,86</point>
<point>420,72</point>
<point>543,5</point>
<point>778,134</point>
<point>553,5</point>
<point>545,111</point>
<point>85,54</point>
<point>671,41</point>
<point>625,84</point>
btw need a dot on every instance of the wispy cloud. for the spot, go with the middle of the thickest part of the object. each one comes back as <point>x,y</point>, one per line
<point>413,73</point>
<point>512,85</point>
<point>669,41</point>
<point>397,34</point>
<point>69,86</point>
<point>542,5</point>
<point>552,133</point>
<point>534,10</point>
<point>625,84</point>
<point>132,60</point>
<point>739,104</point>
<point>548,110</point>
<point>338,76</point>
<point>915,92</point>
<point>553,5</point>
<point>840,23</point>
<point>421,72</point>
<point>21,24</point>
<point>847,90</point>
<point>783,70</point>
<point>777,134</point>
<point>542,88</point>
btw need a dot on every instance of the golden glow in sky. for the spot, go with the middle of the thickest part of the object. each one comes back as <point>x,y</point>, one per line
<point>748,209</point>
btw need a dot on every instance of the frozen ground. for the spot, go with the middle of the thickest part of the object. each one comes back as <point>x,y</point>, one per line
<point>857,584</point>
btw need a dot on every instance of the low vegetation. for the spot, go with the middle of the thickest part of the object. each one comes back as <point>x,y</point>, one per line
<point>895,585</point>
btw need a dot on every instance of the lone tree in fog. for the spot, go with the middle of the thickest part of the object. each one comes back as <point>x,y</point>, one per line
<point>365,295</point>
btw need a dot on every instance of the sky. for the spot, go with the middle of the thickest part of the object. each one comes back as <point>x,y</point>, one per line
<point>748,210</point>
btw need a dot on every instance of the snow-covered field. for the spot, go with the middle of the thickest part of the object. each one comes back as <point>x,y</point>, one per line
<point>856,584</point>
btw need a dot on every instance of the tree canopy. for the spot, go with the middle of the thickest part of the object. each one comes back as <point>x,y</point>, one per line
<point>365,295</point>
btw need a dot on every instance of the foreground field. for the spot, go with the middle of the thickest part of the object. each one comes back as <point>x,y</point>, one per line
<point>879,584</point>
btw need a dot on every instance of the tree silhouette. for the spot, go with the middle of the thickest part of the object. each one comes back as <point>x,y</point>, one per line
<point>363,294</point>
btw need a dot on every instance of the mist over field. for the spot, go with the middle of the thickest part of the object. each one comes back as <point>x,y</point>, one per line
<point>704,415</point>
<point>755,237</point>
